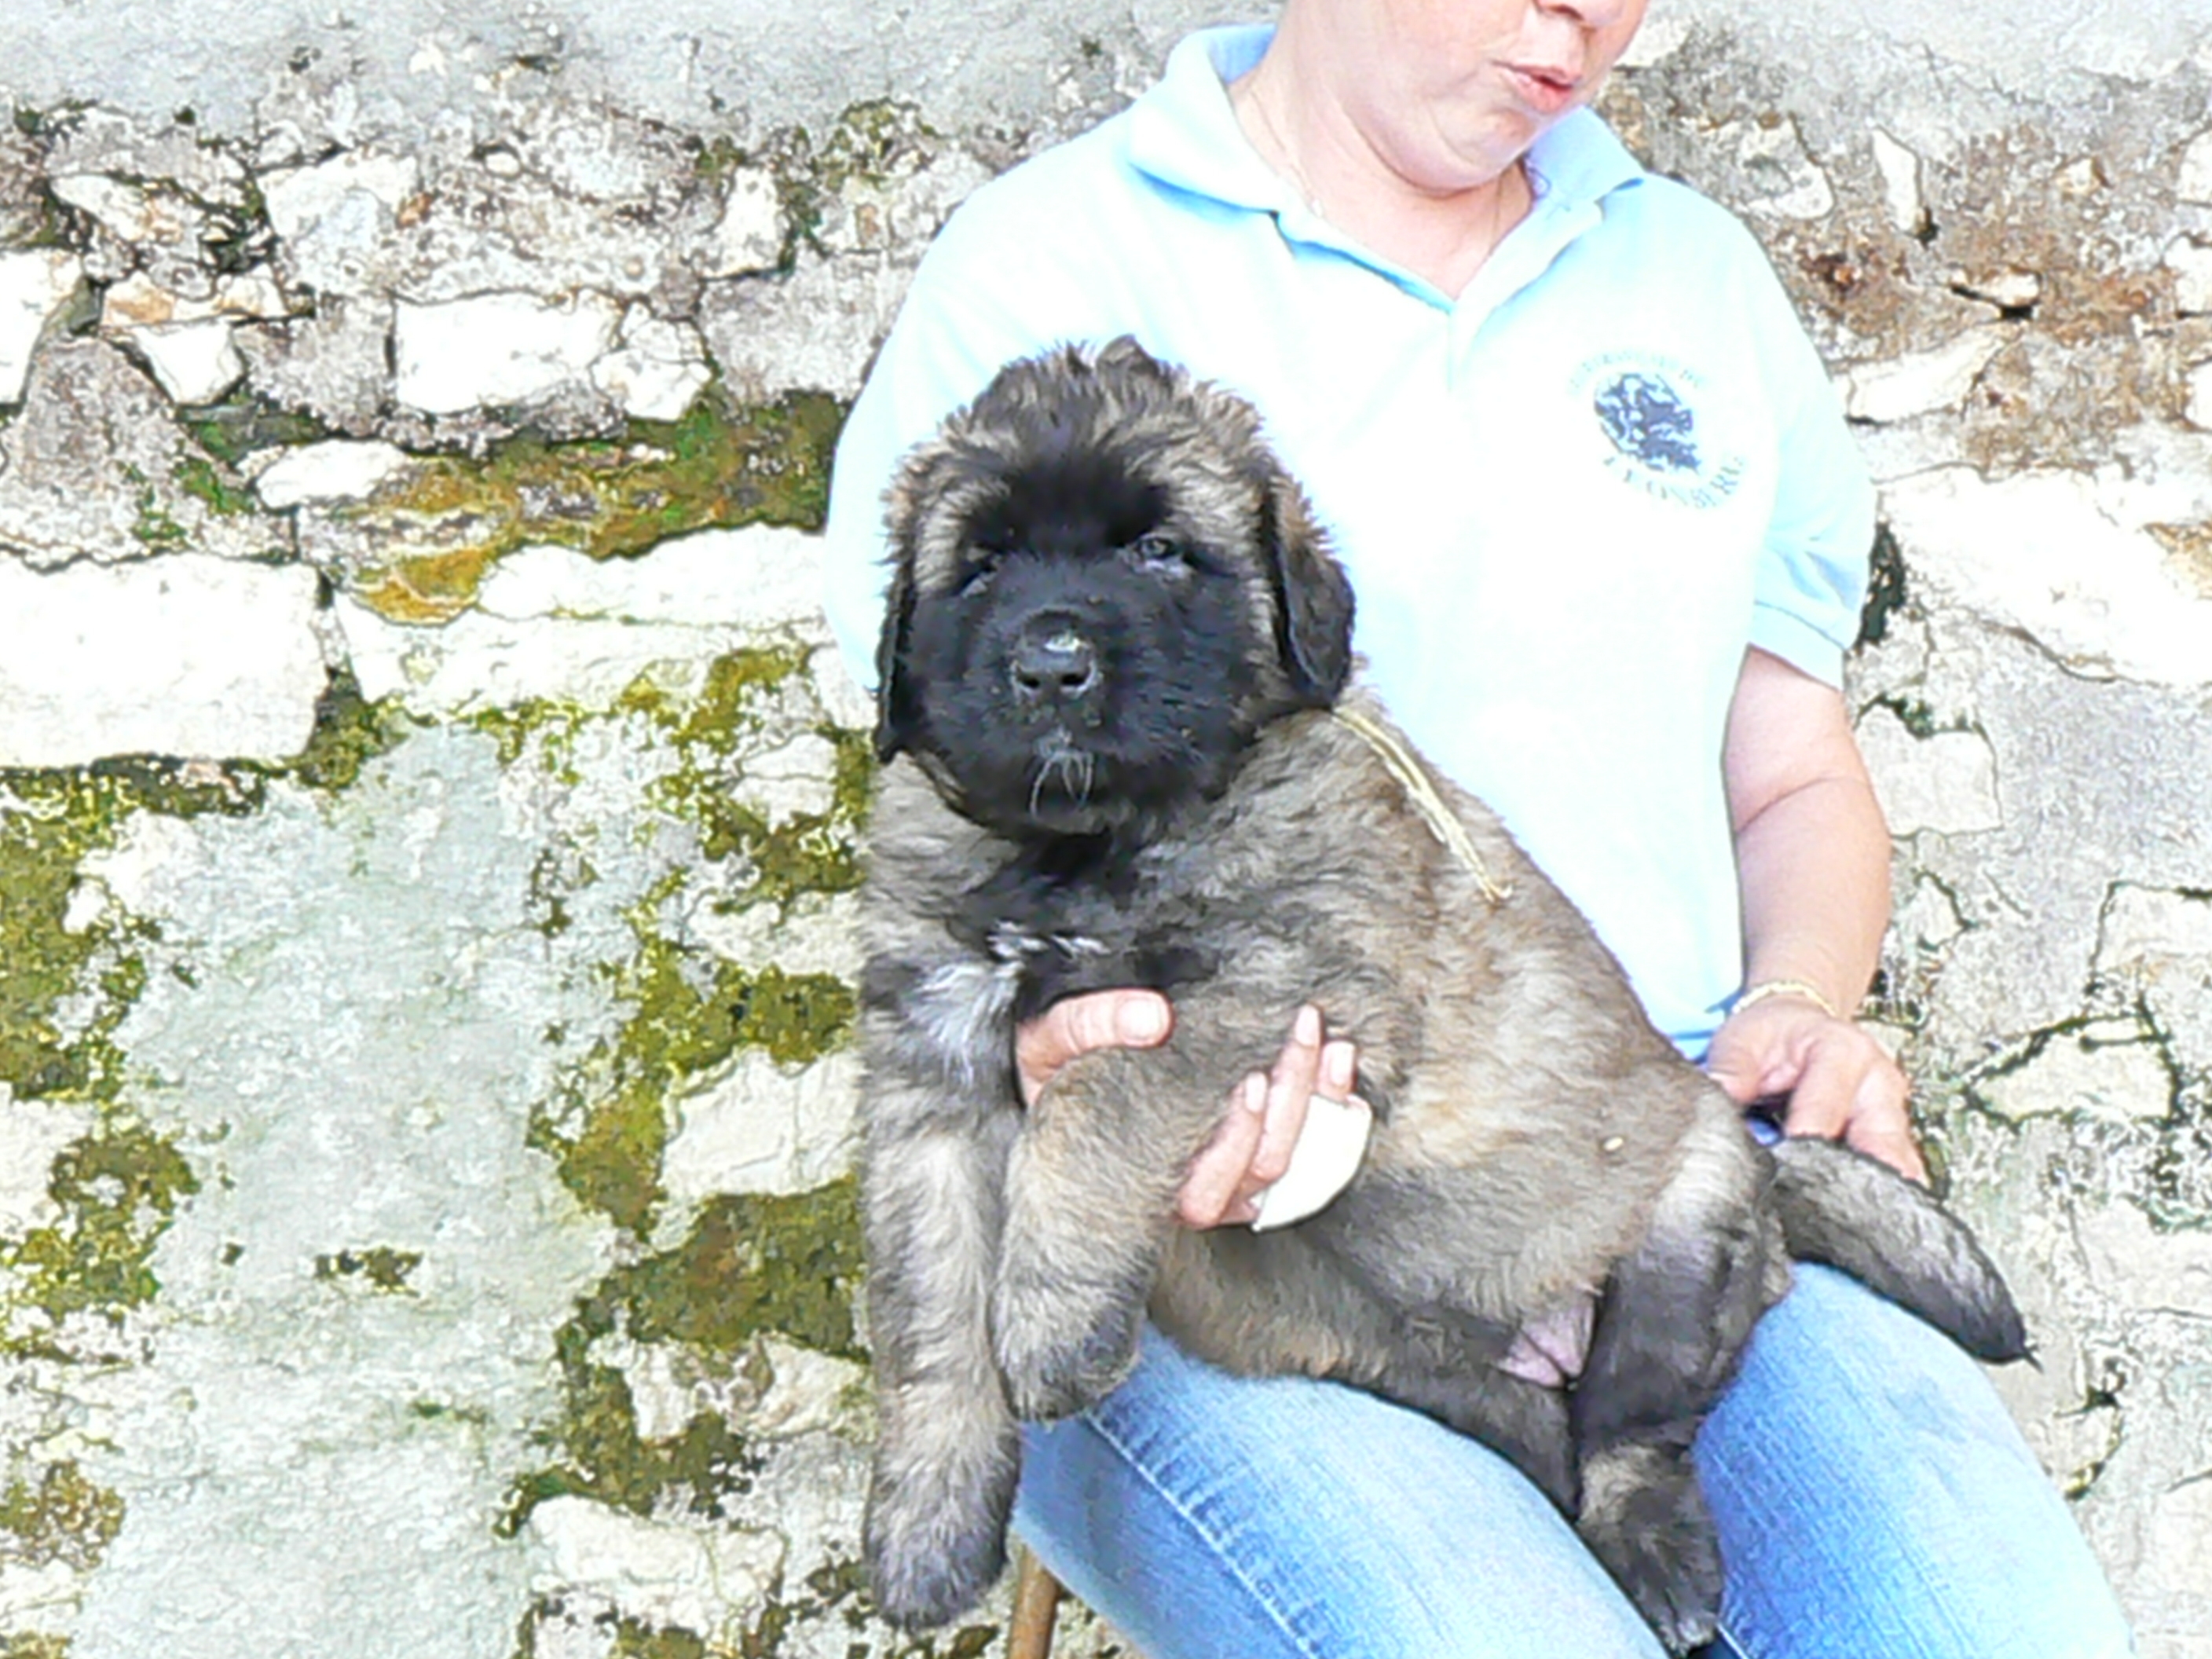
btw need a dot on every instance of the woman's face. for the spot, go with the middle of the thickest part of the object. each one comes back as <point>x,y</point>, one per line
<point>1452,92</point>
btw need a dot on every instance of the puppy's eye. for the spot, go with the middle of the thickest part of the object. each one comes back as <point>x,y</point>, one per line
<point>1161,553</point>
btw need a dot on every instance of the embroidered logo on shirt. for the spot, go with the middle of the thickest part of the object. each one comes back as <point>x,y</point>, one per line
<point>1648,408</point>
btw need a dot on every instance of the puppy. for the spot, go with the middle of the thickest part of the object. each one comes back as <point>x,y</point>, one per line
<point>1120,751</point>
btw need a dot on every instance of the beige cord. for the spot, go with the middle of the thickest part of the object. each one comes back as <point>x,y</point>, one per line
<point>1398,761</point>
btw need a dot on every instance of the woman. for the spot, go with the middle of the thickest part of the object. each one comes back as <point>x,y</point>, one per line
<point>1608,536</point>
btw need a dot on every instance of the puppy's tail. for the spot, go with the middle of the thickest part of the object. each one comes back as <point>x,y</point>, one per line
<point>1851,1212</point>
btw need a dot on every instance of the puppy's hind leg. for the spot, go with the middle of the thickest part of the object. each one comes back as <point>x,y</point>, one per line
<point>1671,1325</point>
<point>948,1451</point>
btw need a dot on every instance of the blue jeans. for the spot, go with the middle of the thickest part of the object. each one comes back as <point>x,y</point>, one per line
<point>1875,1502</point>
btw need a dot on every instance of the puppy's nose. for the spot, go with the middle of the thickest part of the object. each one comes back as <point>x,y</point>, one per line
<point>1054,664</point>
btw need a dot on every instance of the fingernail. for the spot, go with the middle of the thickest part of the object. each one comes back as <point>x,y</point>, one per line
<point>1305,1030</point>
<point>1256,1092</point>
<point>1141,1020</point>
<point>1336,1065</point>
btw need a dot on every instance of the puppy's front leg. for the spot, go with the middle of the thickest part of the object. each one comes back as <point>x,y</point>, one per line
<point>1090,1194</point>
<point>948,1452</point>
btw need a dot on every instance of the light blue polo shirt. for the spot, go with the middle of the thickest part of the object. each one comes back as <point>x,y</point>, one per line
<point>1568,500</point>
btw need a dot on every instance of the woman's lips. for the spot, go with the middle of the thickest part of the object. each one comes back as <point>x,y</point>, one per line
<point>1545,89</point>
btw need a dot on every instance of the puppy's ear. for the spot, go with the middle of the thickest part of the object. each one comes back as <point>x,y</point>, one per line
<point>1313,597</point>
<point>896,716</point>
<point>895,710</point>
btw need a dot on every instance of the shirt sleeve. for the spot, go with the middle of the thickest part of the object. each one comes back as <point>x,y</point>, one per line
<point>1812,573</point>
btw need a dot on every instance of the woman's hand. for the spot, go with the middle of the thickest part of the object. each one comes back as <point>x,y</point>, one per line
<point>1842,1084</point>
<point>1252,1148</point>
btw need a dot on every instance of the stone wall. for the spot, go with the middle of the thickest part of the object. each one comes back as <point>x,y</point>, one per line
<point>427,797</point>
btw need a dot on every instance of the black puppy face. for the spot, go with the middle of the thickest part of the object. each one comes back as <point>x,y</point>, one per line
<point>1105,585</point>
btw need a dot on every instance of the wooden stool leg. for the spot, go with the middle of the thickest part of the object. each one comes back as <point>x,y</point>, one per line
<point>1037,1604</point>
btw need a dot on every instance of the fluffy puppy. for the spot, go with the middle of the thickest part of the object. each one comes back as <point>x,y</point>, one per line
<point>1120,751</point>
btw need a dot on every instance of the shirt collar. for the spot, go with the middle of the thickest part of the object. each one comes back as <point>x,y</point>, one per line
<point>1183,133</point>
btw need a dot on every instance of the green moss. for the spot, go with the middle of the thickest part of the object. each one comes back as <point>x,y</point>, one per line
<point>64,1517</point>
<point>385,1269</point>
<point>117,1189</point>
<point>349,732</point>
<point>691,1012</point>
<point>30,1644</point>
<point>750,1264</point>
<point>604,1457</point>
<point>204,482</point>
<point>720,464</point>
<point>49,822</point>
<point>153,528</point>
<point>1886,593</point>
<point>803,853</point>
<point>635,1641</point>
<point>687,1010</point>
<point>231,430</point>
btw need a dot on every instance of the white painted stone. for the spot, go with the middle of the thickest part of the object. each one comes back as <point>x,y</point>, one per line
<point>659,368</point>
<point>1784,182</point>
<point>661,1574</point>
<point>1947,782</point>
<point>35,284</point>
<point>1656,41</point>
<point>2117,1082</point>
<point>150,849</point>
<point>1928,919</point>
<point>2143,929</point>
<point>897,214</point>
<point>499,348</point>
<point>2001,288</point>
<point>1901,387</point>
<point>842,698</point>
<point>749,236</point>
<point>2190,262</point>
<point>2195,183</point>
<point>791,780</point>
<point>32,1136</point>
<point>28,1590</point>
<point>300,198</point>
<point>814,330</point>
<point>185,655</point>
<point>336,470</point>
<point>819,934</point>
<point>776,1391</point>
<point>2040,552</point>
<point>1900,183</point>
<point>139,301</point>
<point>761,1127</point>
<point>193,362</point>
<point>763,575</point>
<point>129,212</point>
<point>478,661</point>
<point>2198,412</point>
<point>808,1391</point>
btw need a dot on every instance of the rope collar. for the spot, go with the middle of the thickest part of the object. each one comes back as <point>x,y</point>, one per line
<point>1399,762</point>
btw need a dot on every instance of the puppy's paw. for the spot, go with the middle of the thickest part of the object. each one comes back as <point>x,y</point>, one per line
<point>919,1584</point>
<point>1052,1368</point>
<point>941,1492</point>
<point>1644,1518</point>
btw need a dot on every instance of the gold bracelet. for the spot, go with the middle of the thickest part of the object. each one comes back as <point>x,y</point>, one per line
<point>1784,988</point>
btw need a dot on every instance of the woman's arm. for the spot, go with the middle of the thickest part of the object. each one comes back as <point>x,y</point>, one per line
<point>1812,855</point>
